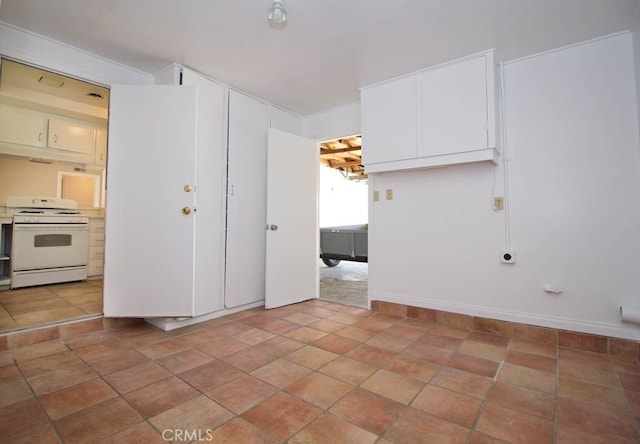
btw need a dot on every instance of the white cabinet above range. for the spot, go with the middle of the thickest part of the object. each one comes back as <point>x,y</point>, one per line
<point>29,133</point>
<point>440,116</point>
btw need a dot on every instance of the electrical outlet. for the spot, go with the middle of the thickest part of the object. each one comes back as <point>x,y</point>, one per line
<point>389,194</point>
<point>508,256</point>
<point>498,203</point>
<point>376,196</point>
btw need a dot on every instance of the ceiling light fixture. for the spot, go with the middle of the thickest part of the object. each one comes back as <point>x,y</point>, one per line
<point>276,13</point>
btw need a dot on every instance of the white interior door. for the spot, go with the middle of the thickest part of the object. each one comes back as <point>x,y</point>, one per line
<point>292,219</point>
<point>149,242</point>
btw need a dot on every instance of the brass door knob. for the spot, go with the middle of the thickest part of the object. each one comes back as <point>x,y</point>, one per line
<point>187,188</point>
<point>186,210</point>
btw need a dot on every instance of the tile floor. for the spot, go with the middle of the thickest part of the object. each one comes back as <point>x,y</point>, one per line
<point>315,372</point>
<point>45,304</point>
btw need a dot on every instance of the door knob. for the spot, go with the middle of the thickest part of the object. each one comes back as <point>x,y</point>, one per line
<point>186,210</point>
<point>273,227</point>
<point>187,188</point>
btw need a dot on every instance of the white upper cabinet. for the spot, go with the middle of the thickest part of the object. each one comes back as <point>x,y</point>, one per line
<point>454,108</point>
<point>22,126</point>
<point>31,133</point>
<point>441,116</point>
<point>71,135</point>
<point>389,122</point>
<point>101,146</point>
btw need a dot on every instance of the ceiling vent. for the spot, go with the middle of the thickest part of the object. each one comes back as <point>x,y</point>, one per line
<point>54,82</point>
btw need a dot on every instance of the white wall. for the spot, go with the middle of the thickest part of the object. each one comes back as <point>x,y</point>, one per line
<point>333,124</point>
<point>573,198</point>
<point>636,58</point>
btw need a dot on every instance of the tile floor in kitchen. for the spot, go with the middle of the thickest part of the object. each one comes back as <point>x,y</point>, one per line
<point>46,304</point>
<point>315,372</point>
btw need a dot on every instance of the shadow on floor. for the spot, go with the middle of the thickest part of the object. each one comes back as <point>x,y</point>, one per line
<point>346,283</point>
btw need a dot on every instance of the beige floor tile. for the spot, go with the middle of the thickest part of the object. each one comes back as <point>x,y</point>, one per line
<point>316,371</point>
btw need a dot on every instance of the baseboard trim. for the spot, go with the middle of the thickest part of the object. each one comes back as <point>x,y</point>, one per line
<point>564,337</point>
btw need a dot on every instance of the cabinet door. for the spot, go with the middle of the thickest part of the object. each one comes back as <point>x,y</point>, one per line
<point>149,251</point>
<point>210,172</point>
<point>454,108</point>
<point>101,147</point>
<point>95,265</point>
<point>246,200</point>
<point>22,126</point>
<point>389,121</point>
<point>72,136</point>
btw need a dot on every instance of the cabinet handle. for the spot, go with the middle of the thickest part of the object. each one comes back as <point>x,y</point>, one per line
<point>40,137</point>
<point>55,138</point>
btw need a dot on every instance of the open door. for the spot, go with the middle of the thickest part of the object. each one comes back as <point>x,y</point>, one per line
<point>292,219</point>
<point>150,214</point>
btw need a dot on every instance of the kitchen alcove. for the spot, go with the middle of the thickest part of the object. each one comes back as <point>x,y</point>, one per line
<point>61,165</point>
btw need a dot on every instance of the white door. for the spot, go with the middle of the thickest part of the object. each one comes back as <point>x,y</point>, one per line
<point>246,200</point>
<point>149,241</point>
<point>292,219</point>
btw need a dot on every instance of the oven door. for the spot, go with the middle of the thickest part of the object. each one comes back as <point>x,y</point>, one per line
<point>45,246</point>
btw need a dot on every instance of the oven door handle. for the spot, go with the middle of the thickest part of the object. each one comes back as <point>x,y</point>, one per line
<point>51,227</point>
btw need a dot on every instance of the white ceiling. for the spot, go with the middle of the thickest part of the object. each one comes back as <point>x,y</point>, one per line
<point>328,48</point>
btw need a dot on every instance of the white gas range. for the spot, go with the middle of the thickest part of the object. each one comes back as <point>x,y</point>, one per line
<point>49,242</point>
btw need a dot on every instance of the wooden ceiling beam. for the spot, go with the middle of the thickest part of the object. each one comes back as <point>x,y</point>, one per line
<point>325,151</point>
<point>345,164</point>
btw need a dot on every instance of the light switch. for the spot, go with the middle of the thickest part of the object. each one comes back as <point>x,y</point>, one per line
<point>498,203</point>
<point>389,194</point>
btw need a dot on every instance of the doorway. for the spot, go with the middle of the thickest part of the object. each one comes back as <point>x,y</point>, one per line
<point>76,171</point>
<point>343,211</point>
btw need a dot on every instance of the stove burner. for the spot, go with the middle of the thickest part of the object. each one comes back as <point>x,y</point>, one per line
<point>31,212</point>
<point>68,212</point>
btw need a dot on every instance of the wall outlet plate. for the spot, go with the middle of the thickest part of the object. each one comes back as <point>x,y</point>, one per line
<point>508,256</point>
<point>389,194</point>
<point>498,203</point>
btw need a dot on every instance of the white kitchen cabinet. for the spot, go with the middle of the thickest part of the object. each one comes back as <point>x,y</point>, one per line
<point>95,264</point>
<point>454,115</point>
<point>101,147</point>
<point>71,135</point>
<point>441,116</point>
<point>22,126</point>
<point>246,194</point>
<point>29,133</point>
<point>390,127</point>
